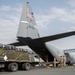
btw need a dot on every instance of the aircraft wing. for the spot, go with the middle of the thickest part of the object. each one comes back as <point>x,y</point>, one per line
<point>55,37</point>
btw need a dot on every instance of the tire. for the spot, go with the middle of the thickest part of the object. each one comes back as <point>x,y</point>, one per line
<point>26,66</point>
<point>13,67</point>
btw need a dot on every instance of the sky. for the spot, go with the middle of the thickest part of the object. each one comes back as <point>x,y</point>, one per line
<point>52,17</point>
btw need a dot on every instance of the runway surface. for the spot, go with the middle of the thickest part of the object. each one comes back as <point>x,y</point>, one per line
<point>43,71</point>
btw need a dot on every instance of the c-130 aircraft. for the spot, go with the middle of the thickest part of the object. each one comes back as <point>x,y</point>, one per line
<point>28,35</point>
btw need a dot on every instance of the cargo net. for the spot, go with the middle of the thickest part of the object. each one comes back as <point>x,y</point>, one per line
<point>13,53</point>
<point>11,47</point>
<point>1,49</point>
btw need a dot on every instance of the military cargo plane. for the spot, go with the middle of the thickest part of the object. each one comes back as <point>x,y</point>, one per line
<point>28,35</point>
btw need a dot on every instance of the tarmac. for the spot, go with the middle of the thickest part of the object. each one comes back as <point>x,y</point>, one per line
<point>70,70</point>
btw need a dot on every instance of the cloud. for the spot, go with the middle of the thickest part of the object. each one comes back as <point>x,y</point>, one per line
<point>5,8</point>
<point>64,15</point>
<point>58,13</point>
<point>43,20</point>
<point>9,21</point>
<point>71,3</point>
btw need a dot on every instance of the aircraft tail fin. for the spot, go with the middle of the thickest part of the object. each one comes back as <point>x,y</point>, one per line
<point>27,25</point>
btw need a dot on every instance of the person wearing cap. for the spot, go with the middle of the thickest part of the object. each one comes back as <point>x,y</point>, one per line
<point>64,61</point>
<point>54,62</point>
<point>61,61</point>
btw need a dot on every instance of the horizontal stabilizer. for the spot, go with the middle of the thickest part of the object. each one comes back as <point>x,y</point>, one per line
<point>18,44</point>
<point>55,37</point>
